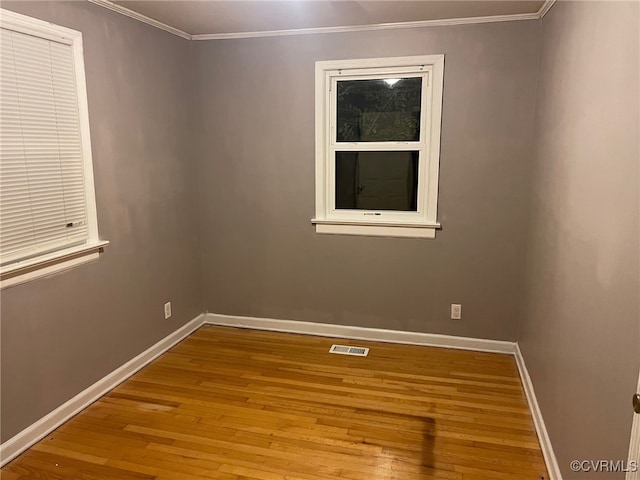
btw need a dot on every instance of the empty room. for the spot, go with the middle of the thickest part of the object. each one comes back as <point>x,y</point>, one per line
<point>319,240</point>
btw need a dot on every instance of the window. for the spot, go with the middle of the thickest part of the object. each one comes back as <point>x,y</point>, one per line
<point>378,146</point>
<point>47,202</point>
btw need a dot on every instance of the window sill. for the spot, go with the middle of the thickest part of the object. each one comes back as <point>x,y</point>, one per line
<point>405,230</point>
<point>37,267</point>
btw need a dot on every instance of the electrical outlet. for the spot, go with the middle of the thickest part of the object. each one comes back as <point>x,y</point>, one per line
<point>167,310</point>
<point>456,311</point>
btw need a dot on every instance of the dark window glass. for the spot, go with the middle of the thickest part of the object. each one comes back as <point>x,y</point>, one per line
<point>377,180</point>
<point>382,110</point>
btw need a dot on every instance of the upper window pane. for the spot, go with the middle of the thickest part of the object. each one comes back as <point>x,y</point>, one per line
<point>378,110</point>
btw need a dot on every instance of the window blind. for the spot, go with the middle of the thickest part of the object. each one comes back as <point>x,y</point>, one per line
<point>43,204</point>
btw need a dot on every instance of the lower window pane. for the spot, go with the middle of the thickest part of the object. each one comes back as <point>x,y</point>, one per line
<point>377,180</point>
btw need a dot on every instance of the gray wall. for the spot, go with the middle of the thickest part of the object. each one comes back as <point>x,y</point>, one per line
<point>580,327</point>
<point>61,334</point>
<point>262,256</point>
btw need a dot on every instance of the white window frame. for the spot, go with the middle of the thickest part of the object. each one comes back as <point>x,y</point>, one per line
<point>56,261</point>
<point>421,223</point>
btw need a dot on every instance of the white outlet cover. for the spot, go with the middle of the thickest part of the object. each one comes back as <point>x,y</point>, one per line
<point>456,311</point>
<point>167,310</point>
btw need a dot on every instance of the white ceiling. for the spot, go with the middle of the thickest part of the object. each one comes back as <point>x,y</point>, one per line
<point>242,16</point>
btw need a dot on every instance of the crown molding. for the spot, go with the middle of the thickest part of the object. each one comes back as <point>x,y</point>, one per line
<point>363,28</point>
<point>141,18</point>
<point>319,30</point>
<point>545,8</point>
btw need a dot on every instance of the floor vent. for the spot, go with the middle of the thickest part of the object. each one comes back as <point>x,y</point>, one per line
<point>346,350</point>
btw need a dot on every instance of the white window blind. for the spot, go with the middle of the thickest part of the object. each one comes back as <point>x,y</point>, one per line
<point>43,201</point>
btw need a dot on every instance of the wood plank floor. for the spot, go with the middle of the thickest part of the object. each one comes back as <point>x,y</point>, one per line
<point>235,404</point>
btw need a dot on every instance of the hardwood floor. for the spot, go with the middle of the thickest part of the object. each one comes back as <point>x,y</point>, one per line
<point>235,404</point>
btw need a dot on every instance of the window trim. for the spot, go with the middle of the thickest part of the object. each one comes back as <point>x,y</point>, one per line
<point>422,223</point>
<point>41,265</point>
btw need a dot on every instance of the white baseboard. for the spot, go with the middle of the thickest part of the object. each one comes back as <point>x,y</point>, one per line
<point>30,435</point>
<point>361,333</point>
<point>543,437</point>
